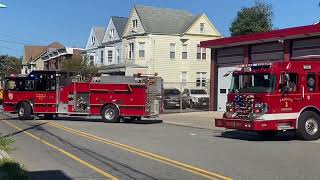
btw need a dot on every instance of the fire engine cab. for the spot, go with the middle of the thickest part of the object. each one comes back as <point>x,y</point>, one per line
<point>50,93</point>
<point>280,96</point>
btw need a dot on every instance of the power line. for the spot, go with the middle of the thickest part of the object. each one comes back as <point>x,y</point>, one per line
<point>13,42</point>
<point>21,40</point>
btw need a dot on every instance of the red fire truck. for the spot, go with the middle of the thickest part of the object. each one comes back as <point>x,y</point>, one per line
<point>51,93</point>
<point>280,96</point>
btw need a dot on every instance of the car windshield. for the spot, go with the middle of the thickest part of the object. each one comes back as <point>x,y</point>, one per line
<point>198,91</point>
<point>253,83</point>
<point>171,92</point>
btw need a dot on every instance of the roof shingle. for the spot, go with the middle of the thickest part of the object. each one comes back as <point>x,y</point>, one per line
<point>120,24</point>
<point>164,20</point>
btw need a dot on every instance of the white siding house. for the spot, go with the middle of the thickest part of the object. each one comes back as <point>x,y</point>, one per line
<point>166,41</point>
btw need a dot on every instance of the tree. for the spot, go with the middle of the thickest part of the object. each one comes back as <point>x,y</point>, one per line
<point>253,19</point>
<point>9,65</point>
<point>80,66</point>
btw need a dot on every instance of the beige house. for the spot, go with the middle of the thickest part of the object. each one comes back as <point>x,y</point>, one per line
<point>166,41</point>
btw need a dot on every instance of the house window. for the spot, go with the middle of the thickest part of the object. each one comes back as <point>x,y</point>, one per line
<point>141,49</point>
<point>109,56</point>
<point>172,50</point>
<point>135,24</point>
<point>131,50</point>
<point>93,40</point>
<point>118,56</point>
<point>201,79</point>
<point>201,52</point>
<point>201,27</point>
<point>183,78</point>
<point>112,33</point>
<point>184,51</point>
<point>102,57</point>
<point>91,60</point>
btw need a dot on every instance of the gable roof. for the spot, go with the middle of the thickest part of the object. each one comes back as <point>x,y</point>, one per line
<point>31,52</point>
<point>99,32</point>
<point>55,45</point>
<point>120,24</point>
<point>164,20</point>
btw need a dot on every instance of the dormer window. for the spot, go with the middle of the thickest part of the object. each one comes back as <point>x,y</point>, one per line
<point>93,40</point>
<point>111,33</point>
<point>202,27</point>
<point>135,24</point>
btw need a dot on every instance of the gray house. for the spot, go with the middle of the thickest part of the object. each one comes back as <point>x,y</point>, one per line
<point>94,48</point>
<point>104,46</point>
<point>113,39</point>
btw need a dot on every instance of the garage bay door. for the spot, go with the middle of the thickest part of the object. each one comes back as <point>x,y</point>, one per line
<point>227,59</point>
<point>224,84</point>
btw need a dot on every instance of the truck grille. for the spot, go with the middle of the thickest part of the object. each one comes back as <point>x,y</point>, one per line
<point>243,106</point>
<point>203,99</point>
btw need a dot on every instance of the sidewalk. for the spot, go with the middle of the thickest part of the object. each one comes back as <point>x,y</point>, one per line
<point>204,120</point>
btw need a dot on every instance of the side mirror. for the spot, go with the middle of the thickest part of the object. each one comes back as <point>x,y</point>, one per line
<point>285,78</point>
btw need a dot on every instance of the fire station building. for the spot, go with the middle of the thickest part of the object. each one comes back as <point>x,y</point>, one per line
<point>279,45</point>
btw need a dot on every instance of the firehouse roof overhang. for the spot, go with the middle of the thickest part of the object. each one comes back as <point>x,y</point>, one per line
<point>276,35</point>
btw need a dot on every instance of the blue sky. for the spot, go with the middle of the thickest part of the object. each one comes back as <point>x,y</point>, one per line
<point>69,21</point>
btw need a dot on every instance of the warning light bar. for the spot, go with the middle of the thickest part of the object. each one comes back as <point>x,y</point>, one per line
<point>254,65</point>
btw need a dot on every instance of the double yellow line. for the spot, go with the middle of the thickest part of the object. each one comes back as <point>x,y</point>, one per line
<point>186,167</point>
<point>103,173</point>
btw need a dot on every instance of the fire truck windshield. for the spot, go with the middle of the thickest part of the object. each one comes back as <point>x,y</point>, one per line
<point>253,83</point>
<point>10,85</point>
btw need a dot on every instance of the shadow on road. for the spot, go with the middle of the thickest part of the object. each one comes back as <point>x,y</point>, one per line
<point>18,132</point>
<point>252,136</point>
<point>50,175</point>
<point>97,119</point>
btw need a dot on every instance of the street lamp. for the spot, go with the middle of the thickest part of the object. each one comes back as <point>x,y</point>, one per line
<point>2,5</point>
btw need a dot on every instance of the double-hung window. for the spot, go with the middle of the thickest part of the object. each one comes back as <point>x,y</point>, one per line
<point>141,49</point>
<point>201,52</point>
<point>109,56</point>
<point>184,51</point>
<point>201,79</point>
<point>172,50</point>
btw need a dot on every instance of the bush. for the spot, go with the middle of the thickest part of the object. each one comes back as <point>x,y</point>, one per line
<point>6,144</point>
<point>13,169</point>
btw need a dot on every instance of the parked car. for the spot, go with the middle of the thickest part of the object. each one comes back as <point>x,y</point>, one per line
<point>172,98</point>
<point>196,98</point>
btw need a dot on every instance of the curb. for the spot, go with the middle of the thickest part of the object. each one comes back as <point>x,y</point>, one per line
<point>4,155</point>
<point>184,125</point>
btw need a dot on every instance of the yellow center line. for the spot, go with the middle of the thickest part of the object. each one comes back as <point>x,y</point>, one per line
<point>105,174</point>
<point>186,167</point>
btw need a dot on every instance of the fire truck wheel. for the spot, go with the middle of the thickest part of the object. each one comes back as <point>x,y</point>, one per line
<point>24,111</point>
<point>308,126</point>
<point>110,113</point>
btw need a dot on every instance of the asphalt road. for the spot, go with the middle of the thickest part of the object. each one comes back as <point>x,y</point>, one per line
<point>70,148</point>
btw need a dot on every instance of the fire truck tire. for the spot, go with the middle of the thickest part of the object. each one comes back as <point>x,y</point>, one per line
<point>308,126</point>
<point>24,111</point>
<point>110,114</point>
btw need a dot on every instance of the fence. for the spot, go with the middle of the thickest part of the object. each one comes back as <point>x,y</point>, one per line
<point>186,97</point>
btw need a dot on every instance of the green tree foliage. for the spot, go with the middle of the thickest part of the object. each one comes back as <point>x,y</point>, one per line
<point>253,19</point>
<point>79,66</point>
<point>10,65</point>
